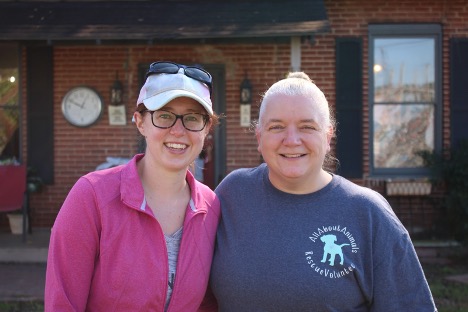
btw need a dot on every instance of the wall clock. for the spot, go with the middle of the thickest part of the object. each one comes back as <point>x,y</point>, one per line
<point>82,106</point>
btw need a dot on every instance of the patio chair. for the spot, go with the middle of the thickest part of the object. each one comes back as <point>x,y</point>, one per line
<point>13,194</point>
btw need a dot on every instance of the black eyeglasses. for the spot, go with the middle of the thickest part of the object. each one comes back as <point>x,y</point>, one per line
<point>192,121</point>
<point>193,72</point>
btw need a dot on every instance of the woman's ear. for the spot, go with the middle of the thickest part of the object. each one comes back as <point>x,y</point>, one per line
<point>139,122</point>
<point>208,126</point>
<point>330,134</point>
<point>258,136</point>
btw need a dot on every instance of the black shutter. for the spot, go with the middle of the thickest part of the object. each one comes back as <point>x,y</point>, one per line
<point>458,89</point>
<point>40,112</point>
<point>348,108</point>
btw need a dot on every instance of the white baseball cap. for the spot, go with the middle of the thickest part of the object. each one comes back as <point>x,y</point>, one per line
<point>160,89</point>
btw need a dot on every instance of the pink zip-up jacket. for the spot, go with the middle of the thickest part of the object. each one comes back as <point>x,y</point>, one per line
<point>107,251</point>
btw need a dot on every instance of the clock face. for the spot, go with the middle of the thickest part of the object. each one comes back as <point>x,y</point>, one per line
<point>82,106</point>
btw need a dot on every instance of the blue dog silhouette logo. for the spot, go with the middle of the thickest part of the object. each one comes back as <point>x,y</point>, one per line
<point>332,249</point>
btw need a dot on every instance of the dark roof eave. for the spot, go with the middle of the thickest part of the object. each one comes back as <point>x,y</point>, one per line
<point>111,32</point>
<point>160,20</point>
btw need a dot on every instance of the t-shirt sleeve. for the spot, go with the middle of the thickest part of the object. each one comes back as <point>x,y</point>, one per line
<point>399,281</point>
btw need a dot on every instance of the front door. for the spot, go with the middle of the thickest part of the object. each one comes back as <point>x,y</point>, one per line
<point>214,151</point>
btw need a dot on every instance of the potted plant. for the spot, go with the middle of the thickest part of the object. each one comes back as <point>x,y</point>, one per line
<point>15,219</point>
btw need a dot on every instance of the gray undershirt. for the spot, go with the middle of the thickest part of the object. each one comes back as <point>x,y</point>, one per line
<point>173,245</point>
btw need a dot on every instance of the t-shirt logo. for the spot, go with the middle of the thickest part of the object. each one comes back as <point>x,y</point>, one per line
<point>331,249</point>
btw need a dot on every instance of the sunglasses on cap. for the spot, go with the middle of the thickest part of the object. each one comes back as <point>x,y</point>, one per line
<point>193,72</point>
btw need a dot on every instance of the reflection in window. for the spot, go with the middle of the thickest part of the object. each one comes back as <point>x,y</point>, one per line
<point>404,94</point>
<point>404,70</point>
<point>9,106</point>
<point>399,132</point>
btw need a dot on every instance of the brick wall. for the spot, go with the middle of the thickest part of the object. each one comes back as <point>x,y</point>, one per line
<point>78,151</point>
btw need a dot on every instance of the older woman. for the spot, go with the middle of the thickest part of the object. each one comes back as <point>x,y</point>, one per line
<point>294,237</point>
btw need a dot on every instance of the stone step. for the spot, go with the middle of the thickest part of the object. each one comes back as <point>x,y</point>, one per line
<point>34,250</point>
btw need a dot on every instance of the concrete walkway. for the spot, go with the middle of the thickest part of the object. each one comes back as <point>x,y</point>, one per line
<point>23,266</point>
<point>22,281</point>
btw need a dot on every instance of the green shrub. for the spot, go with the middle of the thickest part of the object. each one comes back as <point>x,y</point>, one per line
<point>450,169</point>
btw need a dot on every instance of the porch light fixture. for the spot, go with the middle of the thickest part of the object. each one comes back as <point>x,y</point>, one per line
<point>117,115</point>
<point>116,91</point>
<point>245,102</point>
<point>246,91</point>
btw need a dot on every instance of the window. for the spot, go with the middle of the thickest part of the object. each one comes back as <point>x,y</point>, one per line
<point>405,97</point>
<point>9,103</point>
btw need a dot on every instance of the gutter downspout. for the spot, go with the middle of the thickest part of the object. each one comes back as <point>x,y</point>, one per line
<point>295,54</point>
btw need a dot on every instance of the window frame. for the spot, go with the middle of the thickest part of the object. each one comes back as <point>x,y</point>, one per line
<point>14,48</point>
<point>403,31</point>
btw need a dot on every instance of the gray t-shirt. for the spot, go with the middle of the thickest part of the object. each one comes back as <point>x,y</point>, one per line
<point>173,246</point>
<point>338,249</point>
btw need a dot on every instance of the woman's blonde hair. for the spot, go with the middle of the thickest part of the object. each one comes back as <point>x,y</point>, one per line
<point>299,83</point>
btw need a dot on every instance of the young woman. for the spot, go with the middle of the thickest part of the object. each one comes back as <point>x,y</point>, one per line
<point>140,237</point>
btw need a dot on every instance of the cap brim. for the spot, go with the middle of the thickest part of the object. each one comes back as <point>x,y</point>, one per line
<point>159,100</point>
